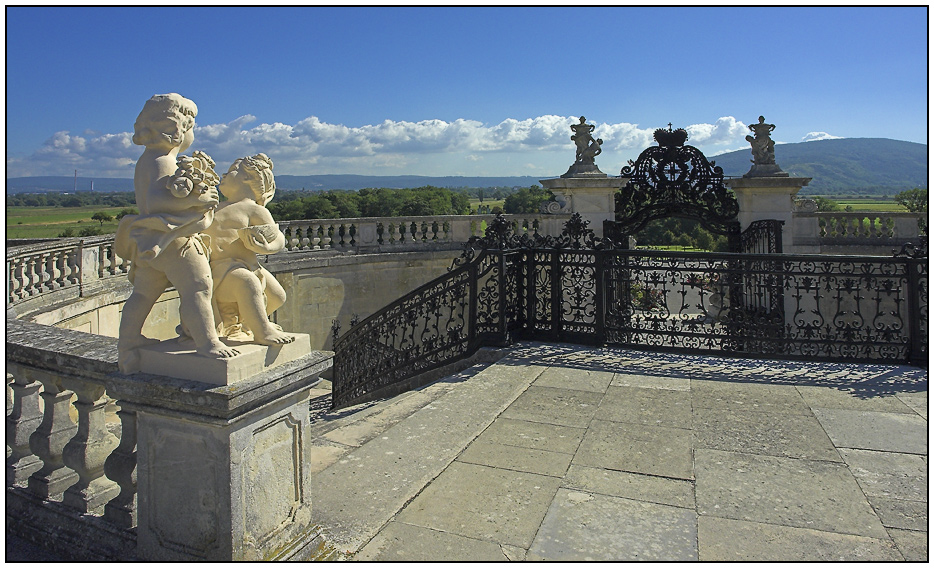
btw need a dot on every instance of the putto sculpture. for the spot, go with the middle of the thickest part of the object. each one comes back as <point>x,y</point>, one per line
<point>763,151</point>
<point>245,293</point>
<point>587,149</point>
<point>172,243</point>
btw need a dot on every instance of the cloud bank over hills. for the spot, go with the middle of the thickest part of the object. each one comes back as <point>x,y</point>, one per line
<point>429,147</point>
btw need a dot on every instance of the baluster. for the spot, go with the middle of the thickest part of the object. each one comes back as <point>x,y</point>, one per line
<point>326,232</point>
<point>22,421</point>
<point>293,239</point>
<point>57,269</point>
<point>88,449</point>
<point>31,279</point>
<point>353,234</point>
<point>314,237</point>
<point>15,269</point>
<point>305,237</point>
<point>121,467</point>
<point>412,232</point>
<point>101,262</point>
<point>49,439</point>
<point>69,268</point>
<point>854,228</point>
<point>44,277</point>
<point>49,274</point>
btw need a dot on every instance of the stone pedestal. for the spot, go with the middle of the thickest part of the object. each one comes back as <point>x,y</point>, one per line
<point>768,198</point>
<point>591,195</point>
<point>172,358</point>
<point>223,471</point>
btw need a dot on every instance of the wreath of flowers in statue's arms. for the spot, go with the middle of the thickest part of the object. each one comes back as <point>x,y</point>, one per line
<point>193,171</point>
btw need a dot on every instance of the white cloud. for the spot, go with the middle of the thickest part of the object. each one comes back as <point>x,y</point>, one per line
<point>313,146</point>
<point>811,136</point>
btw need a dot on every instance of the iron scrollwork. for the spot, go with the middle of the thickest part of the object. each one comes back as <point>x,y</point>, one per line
<point>674,179</point>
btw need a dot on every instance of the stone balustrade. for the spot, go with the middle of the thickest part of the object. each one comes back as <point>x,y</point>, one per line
<point>105,466</point>
<point>864,232</point>
<point>370,234</point>
<point>59,270</point>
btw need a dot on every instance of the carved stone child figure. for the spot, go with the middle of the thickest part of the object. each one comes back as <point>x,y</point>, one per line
<point>245,293</point>
<point>176,197</point>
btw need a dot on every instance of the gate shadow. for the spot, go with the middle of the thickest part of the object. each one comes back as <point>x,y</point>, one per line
<point>861,380</point>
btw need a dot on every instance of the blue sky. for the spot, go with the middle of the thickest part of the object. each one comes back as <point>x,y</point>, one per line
<point>453,91</point>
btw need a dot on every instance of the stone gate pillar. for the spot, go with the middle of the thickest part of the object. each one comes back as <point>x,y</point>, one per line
<point>768,198</point>
<point>591,196</point>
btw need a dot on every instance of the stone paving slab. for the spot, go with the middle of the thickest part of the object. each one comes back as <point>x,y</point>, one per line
<point>585,526</point>
<point>765,433</point>
<point>889,474</point>
<point>886,431</point>
<point>912,544</point>
<point>653,407</point>
<point>554,464</point>
<point>649,488</point>
<point>637,448</point>
<point>783,491</point>
<point>533,435</point>
<point>484,503</point>
<point>409,543</point>
<point>901,514</point>
<point>730,540</point>
<point>651,382</point>
<point>576,379</point>
<point>916,401</point>
<point>564,407</point>
<point>824,397</point>
<point>735,395</point>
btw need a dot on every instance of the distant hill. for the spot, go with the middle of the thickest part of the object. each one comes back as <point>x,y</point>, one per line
<point>853,166</point>
<point>846,166</point>
<point>61,184</point>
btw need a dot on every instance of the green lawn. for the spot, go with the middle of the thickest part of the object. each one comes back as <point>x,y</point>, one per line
<point>43,222</point>
<point>491,203</point>
<point>883,205</point>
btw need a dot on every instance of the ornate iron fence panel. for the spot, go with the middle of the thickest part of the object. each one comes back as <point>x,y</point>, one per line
<point>438,323</point>
<point>831,308</point>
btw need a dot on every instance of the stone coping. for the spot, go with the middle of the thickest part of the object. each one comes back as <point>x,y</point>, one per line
<point>85,356</point>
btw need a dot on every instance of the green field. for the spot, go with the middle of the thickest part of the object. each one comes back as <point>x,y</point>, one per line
<point>491,203</point>
<point>886,205</point>
<point>45,222</point>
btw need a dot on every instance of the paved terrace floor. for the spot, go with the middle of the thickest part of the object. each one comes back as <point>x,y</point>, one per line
<point>562,453</point>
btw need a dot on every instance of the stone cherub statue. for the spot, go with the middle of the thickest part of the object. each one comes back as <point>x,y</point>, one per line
<point>176,197</point>
<point>245,293</point>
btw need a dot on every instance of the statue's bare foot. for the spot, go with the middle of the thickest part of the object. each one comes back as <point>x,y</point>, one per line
<point>274,337</point>
<point>218,351</point>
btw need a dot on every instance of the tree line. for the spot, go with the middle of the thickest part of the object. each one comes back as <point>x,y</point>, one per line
<point>79,199</point>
